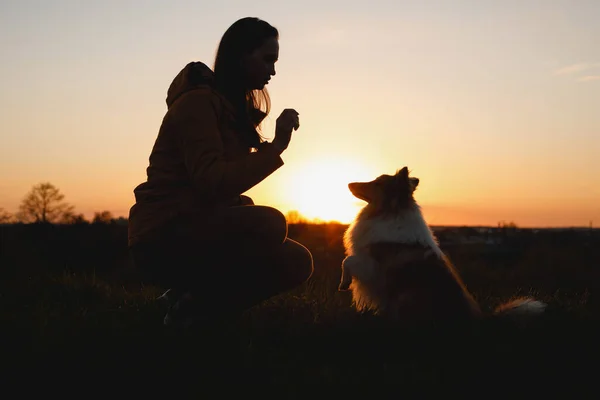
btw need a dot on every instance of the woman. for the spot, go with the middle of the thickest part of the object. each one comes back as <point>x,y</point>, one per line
<point>191,229</point>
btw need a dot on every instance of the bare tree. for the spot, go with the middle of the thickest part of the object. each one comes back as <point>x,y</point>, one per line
<point>5,216</point>
<point>44,203</point>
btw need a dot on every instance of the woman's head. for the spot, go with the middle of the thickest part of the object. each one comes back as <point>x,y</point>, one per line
<point>244,64</point>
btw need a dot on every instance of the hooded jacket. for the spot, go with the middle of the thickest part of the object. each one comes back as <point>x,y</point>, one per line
<point>199,160</point>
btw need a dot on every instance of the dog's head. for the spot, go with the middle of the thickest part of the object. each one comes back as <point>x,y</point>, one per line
<point>387,193</point>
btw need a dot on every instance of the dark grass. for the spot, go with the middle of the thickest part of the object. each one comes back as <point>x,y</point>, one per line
<point>74,310</point>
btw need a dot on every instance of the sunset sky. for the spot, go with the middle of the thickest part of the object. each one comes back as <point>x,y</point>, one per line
<point>494,105</point>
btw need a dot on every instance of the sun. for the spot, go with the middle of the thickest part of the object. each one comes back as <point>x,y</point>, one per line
<point>320,189</point>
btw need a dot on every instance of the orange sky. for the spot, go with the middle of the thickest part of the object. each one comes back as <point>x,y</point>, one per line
<point>493,105</point>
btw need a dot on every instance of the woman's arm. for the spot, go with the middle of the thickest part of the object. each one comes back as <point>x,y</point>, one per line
<point>195,120</point>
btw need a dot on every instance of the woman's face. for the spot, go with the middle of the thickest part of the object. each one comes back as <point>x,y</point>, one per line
<point>259,65</point>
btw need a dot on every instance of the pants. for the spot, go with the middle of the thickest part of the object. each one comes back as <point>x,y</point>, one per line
<point>234,257</point>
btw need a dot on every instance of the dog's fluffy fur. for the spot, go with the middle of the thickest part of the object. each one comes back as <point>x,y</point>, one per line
<point>394,265</point>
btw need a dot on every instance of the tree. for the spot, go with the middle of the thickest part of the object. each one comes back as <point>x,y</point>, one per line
<point>104,217</point>
<point>121,221</point>
<point>44,203</point>
<point>5,216</point>
<point>507,225</point>
<point>72,218</point>
<point>294,217</point>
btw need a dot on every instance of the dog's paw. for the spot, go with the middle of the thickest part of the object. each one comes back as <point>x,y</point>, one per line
<point>345,283</point>
<point>348,261</point>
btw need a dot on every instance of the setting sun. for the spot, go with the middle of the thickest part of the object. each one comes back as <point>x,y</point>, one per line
<point>320,189</point>
<point>394,193</point>
<point>490,105</point>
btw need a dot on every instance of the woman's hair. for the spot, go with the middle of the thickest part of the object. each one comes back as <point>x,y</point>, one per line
<point>252,106</point>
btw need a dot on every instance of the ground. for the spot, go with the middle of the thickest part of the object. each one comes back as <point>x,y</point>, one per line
<point>73,310</point>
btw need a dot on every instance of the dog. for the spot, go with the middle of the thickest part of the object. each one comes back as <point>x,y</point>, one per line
<point>394,265</point>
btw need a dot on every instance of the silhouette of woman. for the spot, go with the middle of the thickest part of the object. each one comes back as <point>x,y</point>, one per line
<point>191,229</point>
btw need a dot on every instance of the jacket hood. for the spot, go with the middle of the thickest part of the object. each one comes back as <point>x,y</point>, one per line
<point>194,75</point>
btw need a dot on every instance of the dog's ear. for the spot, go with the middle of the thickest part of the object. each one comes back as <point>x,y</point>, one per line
<point>402,176</point>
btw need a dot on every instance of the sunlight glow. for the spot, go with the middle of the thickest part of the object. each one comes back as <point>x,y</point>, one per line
<point>488,105</point>
<point>320,189</point>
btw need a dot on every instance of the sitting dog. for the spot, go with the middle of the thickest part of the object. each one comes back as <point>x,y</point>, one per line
<point>394,265</point>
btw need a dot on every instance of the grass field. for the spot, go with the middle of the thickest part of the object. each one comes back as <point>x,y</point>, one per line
<point>73,310</point>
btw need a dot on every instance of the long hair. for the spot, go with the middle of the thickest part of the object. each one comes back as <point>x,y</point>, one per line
<point>251,106</point>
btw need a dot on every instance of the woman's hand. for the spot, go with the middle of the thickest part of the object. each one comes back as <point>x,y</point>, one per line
<point>287,121</point>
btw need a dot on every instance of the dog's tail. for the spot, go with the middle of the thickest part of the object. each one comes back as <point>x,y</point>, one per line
<point>521,307</point>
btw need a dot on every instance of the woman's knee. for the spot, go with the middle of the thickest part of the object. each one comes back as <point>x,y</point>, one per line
<point>275,223</point>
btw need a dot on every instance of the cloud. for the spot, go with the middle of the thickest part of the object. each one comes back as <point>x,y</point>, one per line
<point>575,68</point>
<point>577,71</point>
<point>589,78</point>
